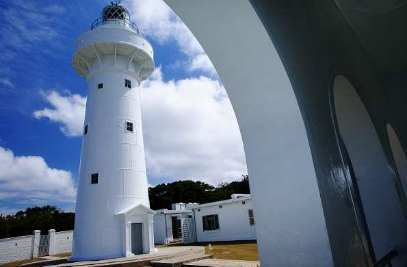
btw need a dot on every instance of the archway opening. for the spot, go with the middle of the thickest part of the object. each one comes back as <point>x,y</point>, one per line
<point>399,156</point>
<point>371,182</point>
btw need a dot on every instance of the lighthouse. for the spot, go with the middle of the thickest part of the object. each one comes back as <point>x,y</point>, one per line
<point>113,216</point>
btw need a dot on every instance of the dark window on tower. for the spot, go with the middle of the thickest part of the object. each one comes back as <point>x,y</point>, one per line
<point>210,222</point>
<point>85,130</point>
<point>129,126</point>
<point>94,178</point>
<point>251,217</point>
<point>100,85</point>
<point>243,202</point>
<point>127,83</point>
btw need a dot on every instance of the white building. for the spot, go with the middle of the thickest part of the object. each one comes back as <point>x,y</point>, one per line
<point>167,223</point>
<point>227,220</point>
<point>113,218</point>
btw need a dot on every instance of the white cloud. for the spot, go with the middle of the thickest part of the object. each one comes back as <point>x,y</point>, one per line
<point>191,131</point>
<point>29,178</point>
<point>189,127</point>
<point>25,26</point>
<point>69,111</point>
<point>158,21</point>
<point>202,62</point>
<point>6,82</point>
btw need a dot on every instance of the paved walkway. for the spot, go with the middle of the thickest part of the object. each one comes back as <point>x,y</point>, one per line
<point>222,263</point>
<point>180,260</point>
<point>145,259</point>
<point>137,260</point>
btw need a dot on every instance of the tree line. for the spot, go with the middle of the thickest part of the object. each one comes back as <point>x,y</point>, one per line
<point>35,218</point>
<point>161,197</point>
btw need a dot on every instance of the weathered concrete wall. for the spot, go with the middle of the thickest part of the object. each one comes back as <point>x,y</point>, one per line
<point>63,242</point>
<point>26,247</point>
<point>16,248</point>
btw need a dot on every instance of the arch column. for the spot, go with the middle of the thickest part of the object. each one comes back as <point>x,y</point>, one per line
<point>287,205</point>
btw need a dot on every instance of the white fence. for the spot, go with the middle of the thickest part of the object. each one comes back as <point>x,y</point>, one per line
<point>63,242</point>
<point>27,247</point>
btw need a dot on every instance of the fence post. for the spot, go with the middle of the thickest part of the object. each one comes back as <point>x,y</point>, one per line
<point>52,242</point>
<point>36,243</point>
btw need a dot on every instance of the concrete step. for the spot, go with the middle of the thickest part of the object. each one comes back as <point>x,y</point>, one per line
<point>222,263</point>
<point>179,261</point>
<point>132,261</point>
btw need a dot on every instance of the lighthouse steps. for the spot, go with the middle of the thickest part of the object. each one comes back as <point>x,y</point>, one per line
<point>137,260</point>
<point>180,260</point>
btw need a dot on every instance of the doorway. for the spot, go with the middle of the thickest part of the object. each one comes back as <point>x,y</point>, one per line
<point>137,238</point>
<point>176,228</point>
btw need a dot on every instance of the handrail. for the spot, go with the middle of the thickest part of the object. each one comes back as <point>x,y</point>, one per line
<point>125,22</point>
<point>386,259</point>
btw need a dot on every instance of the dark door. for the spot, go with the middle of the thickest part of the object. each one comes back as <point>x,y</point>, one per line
<point>136,238</point>
<point>43,248</point>
<point>176,228</point>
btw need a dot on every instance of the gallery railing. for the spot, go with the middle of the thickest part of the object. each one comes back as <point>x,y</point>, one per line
<point>125,22</point>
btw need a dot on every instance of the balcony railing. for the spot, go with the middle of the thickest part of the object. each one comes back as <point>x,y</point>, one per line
<point>386,260</point>
<point>125,22</point>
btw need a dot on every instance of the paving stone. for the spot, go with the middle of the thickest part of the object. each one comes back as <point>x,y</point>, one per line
<point>137,260</point>
<point>178,261</point>
<point>222,263</point>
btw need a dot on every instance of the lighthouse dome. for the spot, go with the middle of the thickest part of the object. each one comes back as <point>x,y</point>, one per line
<point>115,11</point>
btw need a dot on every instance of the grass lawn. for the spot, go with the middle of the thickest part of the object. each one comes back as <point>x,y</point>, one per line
<point>237,250</point>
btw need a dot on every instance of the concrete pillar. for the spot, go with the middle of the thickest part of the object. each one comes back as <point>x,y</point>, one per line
<point>36,243</point>
<point>151,233</point>
<point>52,242</point>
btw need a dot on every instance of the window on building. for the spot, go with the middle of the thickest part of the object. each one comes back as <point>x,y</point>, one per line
<point>243,202</point>
<point>129,126</point>
<point>127,83</point>
<point>220,206</point>
<point>100,85</point>
<point>85,130</point>
<point>251,217</point>
<point>94,178</point>
<point>210,222</point>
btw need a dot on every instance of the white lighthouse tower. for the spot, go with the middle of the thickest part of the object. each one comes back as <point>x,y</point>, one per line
<point>113,218</point>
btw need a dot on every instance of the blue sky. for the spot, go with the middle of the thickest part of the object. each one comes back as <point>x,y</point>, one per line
<point>190,130</point>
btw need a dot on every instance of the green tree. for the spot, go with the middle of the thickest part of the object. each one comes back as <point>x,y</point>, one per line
<point>36,218</point>
<point>163,195</point>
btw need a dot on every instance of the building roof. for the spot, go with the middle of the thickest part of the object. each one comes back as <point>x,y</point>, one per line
<point>165,211</point>
<point>136,209</point>
<point>227,201</point>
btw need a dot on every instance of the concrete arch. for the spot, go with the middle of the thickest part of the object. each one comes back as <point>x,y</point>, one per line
<point>371,173</point>
<point>275,59</point>
<point>399,156</point>
<point>273,132</point>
